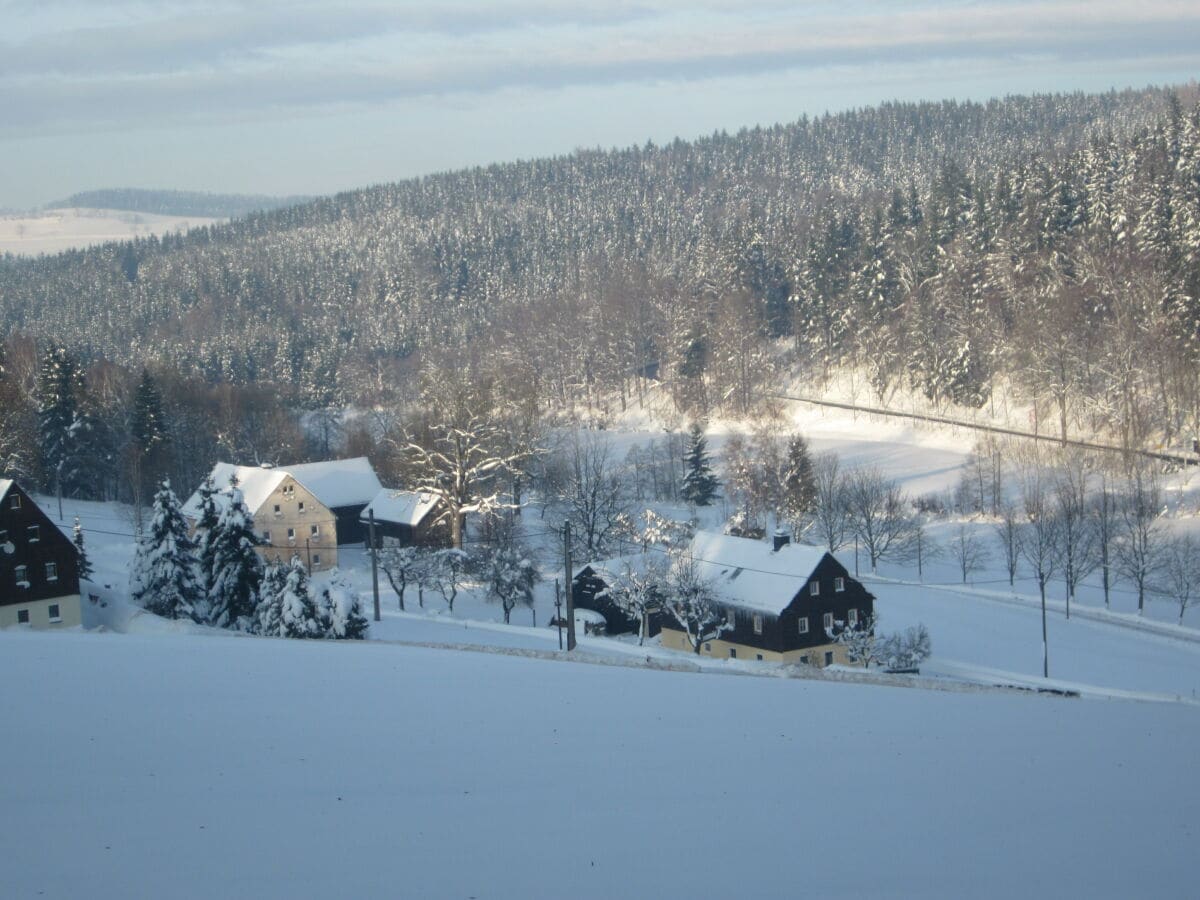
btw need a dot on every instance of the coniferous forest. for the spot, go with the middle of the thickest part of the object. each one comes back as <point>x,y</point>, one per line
<point>1045,245</point>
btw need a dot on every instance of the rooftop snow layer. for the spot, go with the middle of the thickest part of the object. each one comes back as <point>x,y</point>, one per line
<point>5,484</point>
<point>750,573</point>
<point>400,507</point>
<point>336,483</point>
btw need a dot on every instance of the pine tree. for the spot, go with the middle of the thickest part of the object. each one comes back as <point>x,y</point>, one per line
<point>164,579</point>
<point>237,568</point>
<point>298,617</point>
<point>85,564</point>
<point>699,483</point>
<point>341,612</point>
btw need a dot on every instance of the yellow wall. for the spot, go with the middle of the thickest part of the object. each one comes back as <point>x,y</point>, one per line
<point>39,612</point>
<point>677,640</point>
<point>315,513</point>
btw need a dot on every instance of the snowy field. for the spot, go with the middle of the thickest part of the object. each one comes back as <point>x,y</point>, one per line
<point>213,766</point>
<point>55,230</point>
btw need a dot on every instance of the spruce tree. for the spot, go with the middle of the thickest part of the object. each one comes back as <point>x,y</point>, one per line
<point>699,483</point>
<point>164,576</point>
<point>85,564</point>
<point>59,387</point>
<point>799,482</point>
<point>237,568</point>
<point>269,614</point>
<point>206,532</point>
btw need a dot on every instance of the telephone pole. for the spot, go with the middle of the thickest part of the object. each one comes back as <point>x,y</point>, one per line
<point>374,560</point>
<point>567,587</point>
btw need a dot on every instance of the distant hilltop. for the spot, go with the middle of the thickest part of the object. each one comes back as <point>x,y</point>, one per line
<point>177,203</point>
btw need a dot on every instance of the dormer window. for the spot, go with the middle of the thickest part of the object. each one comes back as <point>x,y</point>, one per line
<point>839,584</point>
<point>814,588</point>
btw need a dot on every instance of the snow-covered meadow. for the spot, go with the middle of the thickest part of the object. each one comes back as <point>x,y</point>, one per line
<point>456,756</point>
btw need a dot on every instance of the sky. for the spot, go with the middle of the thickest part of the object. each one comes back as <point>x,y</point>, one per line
<point>295,97</point>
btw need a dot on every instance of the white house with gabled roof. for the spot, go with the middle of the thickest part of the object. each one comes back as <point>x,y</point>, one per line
<point>307,510</point>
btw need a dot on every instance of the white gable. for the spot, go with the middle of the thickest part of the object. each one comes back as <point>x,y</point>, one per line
<point>338,482</point>
<point>5,484</point>
<point>400,507</point>
<point>750,573</point>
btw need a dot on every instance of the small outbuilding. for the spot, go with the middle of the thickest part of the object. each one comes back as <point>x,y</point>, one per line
<point>410,518</point>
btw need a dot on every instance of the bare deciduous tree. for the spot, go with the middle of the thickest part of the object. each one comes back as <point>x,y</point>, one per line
<point>1139,546</point>
<point>1008,532</point>
<point>880,516</point>
<point>1181,571</point>
<point>593,494</point>
<point>830,515</point>
<point>968,551</point>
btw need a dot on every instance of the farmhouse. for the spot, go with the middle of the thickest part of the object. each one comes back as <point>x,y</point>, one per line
<point>39,566</point>
<point>307,510</point>
<point>410,518</point>
<point>780,598</point>
<point>590,590</point>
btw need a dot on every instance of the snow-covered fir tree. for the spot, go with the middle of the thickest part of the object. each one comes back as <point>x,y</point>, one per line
<point>268,614</point>
<point>341,610</point>
<point>60,385</point>
<point>237,567</point>
<point>298,613</point>
<point>699,483</point>
<point>85,564</point>
<point>164,570</point>
<point>206,531</point>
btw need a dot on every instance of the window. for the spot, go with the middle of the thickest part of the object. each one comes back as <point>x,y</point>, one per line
<point>316,560</point>
<point>804,624</point>
<point>289,491</point>
<point>758,656</point>
<point>32,533</point>
<point>708,648</point>
<point>278,511</point>
<point>55,615</point>
<point>757,624</point>
<point>315,531</point>
<point>828,621</point>
<point>300,506</point>
<point>291,534</point>
<point>733,652</point>
<point>852,617</point>
<point>804,659</point>
<point>730,618</point>
<point>51,571</point>
<point>15,503</point>
<point>829,657</point>
<point>266,535</point>
<point>22,617</point>
<point>839,584</point>
<point>814,587</point>
<point>22,576</point>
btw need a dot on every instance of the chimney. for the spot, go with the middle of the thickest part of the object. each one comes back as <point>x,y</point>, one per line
<point>781,539</point>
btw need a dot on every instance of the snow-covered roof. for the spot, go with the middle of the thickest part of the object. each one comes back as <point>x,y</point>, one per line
<point>611,569</point>
<point>5,484</point>
<point>400,507</point>
<point>750,573</point>
<point>336,483</point>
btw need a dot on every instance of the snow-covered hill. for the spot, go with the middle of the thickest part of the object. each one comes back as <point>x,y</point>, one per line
<point>54,230</point>
<point>203,766</point>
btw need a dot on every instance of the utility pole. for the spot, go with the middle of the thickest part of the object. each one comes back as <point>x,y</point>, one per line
<point>856,556</point>
<point>558,610</point>
<point>374,560</point>
<point>567,587</point>
<point>1045,643</point>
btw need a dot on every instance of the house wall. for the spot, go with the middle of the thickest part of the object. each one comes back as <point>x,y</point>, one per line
<point>322,547</point>
<point>719,649</point>
<point>69,612</point>
<point>50,546</point>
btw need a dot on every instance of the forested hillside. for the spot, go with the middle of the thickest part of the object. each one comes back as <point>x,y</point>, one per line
<point>1053,240</point>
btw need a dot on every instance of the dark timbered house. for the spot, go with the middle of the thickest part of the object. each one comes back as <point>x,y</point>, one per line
<point>39,565</point>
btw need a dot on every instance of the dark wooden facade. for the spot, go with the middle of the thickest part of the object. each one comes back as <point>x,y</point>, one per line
<point>35,541</point>
<point>429,532</point>
<point>782,633</point>
<point>587,592</point>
